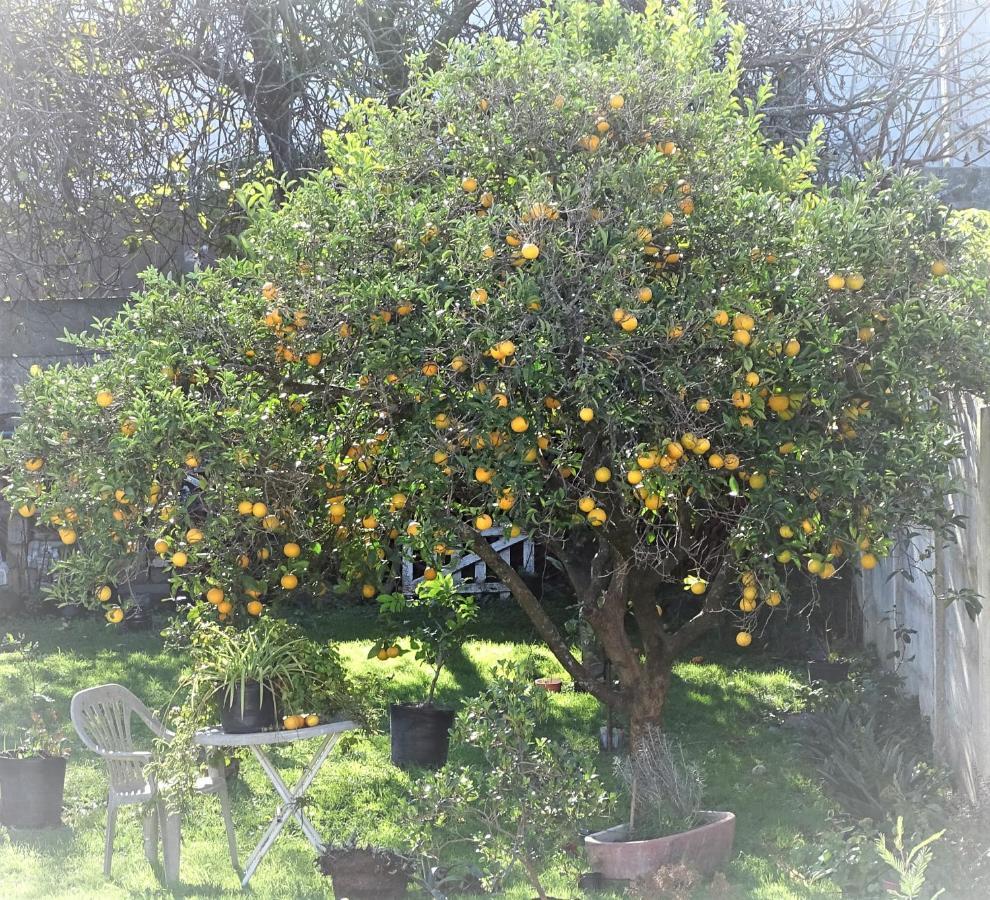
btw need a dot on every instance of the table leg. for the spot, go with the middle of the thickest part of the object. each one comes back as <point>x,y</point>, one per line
<point>290,807</point>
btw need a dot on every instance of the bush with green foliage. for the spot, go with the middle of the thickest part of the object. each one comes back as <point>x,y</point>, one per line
<point>565,287</point>
<point>524,797</point>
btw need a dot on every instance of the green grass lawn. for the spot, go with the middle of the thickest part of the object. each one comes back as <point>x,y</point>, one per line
<point>727,711</point>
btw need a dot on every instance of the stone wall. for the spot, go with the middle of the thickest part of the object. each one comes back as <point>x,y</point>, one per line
<point>29,333</point>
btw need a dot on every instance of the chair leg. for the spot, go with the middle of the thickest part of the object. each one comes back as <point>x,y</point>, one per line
<point>111,828</point>
<point>170,826</point>
<point>151,833</point>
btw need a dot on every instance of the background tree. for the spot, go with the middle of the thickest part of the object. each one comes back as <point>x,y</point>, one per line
<point>129,127</point>
<point>565,286</point>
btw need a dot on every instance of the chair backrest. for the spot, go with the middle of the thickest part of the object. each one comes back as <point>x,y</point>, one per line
<point>102,719</point>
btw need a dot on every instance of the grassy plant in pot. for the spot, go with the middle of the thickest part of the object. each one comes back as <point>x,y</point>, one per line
<point>523,802</point>
<point>666,823</point>
<point>436,619</point>
<point>244,671</point>
<point>32,766</point>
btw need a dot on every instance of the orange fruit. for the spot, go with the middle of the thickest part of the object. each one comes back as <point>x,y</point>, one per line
<point>744,639</point>
<point>742,337</point>
<point>597,517</point>
<point>586,504</point>
<point>483,522</point>
<point>180,559</point>
<point>67,535</point>
<point>255,607</point>
<point>616,101</point>
<point>792,347</point>
<point>225,607</point>
<point>469,185</point>
<point>382,654</point>
<point>392,652</point>
<point>214,595</point>
<point>940,268</point>
<point>603,474</point>
<point>259,510</point>
<point>291,723</point>
<point>312,720</point>
<point>855,282</point>
<point>836,282</point>
<point>529,251</point>
<point>104,593</point>
<point>115,616</point>
<point>104,399</point>
<point>289,581</point>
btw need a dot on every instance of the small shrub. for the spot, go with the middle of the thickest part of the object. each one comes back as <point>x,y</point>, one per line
<point>666,788</point>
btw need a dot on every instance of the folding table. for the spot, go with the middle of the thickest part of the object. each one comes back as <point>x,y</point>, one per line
<point>291,806</point>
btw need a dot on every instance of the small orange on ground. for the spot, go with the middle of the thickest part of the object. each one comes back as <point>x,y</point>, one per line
<point>312,720</point>
<point>940,268</point>
<point>616,101</point>
<point>382,654</point>
<point>291,723</point>
<point>529,251</point>
<point>855,282</point>
<point>392,652</point>
<point>721,318</point>
<point>314,359</point>
<point>836,282</point>
<point>104,399</point>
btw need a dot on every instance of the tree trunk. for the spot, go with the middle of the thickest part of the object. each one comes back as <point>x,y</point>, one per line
<point>646,703</point>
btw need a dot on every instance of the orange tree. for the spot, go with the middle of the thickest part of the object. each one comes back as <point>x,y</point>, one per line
<point>564,288</point>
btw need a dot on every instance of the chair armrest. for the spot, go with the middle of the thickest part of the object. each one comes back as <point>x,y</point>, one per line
<point>127,755</point>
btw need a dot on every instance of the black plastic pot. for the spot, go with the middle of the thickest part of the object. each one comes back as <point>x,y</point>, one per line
<point>31,792</point>
<point>257,712</point>
<point>420,734</point>
<point>364,874</point>
<point>823,670</point>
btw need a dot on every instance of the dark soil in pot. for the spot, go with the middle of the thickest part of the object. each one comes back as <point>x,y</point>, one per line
<point>257,712</point>
<point>31,792</point>
<point>420,734</point>
<point>365,874</point>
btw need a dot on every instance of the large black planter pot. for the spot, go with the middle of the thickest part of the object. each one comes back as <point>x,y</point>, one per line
<point>420,734</point>
<point>256,713</point>
<point>31,792</point>
<point>823,670</point>
<point>362,874</point>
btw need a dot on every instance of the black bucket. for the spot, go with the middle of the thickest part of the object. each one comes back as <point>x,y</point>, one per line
<point>258,712</point>
<point>831,672</point>
<point>420,734</point>
<point>31,792</point>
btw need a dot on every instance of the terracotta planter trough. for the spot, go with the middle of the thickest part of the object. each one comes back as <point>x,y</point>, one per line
<point>705,849</point>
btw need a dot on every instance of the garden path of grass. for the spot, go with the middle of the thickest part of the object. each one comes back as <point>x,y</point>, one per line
<point>726,711</point>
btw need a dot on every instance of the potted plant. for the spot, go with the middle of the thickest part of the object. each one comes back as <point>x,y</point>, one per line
<point>667,825</point>
<point>32,767</point>
<point>436,618</point>
<point>268,673</point>
<point>523,802</point>
<point>363,871</point>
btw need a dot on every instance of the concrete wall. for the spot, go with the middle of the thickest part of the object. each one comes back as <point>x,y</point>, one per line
<point>29,333</point>
<point>946,665</point>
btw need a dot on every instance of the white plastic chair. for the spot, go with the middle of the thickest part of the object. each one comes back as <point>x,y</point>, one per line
<point>102,718</point>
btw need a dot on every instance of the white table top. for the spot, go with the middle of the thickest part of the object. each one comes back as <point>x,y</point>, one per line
<point>217,737</point>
